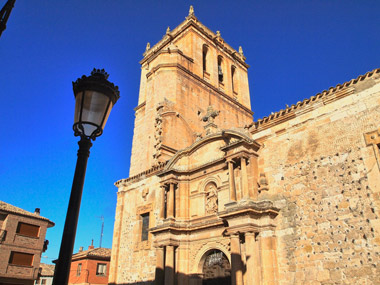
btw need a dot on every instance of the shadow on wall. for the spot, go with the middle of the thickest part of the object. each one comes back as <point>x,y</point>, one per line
<point>180,279</point>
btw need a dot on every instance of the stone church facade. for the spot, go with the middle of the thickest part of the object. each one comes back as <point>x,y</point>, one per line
<point>214,197</point>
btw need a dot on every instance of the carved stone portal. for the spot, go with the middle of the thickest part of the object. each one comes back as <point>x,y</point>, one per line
<point>216,268</point>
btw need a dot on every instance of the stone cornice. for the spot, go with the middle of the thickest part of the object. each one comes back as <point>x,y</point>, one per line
<point>186,227</point>
<point>216,136</point>
<point>139,106</point>
<point>252,208</point>
<point>142,175</point>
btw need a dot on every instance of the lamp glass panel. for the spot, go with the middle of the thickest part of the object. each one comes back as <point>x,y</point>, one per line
<point>94,108</point>
<point>107,115</point>
<point>78,100</point>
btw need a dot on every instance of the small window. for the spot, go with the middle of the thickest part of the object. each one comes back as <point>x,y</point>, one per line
<point>79,269</point>
<point>233,79</point>
<point>21,258</point>
<point>43,282</point>
<point>28,230</point>
<point>101,269</point>
<point>220,70</point>
<point>204,57</point>
<point>145,226</point>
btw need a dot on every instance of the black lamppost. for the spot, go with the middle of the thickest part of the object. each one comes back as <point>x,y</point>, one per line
<point>94,99</point>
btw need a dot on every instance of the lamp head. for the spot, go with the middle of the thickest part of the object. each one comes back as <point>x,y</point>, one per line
<point>94,98</point>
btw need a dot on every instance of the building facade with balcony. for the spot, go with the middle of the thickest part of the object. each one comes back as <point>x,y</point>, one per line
<point>22,241</point>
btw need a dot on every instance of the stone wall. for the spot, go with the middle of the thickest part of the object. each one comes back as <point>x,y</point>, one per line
<point>325,178</point>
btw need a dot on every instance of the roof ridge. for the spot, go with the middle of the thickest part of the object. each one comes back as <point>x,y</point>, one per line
<point>17,210</point>
<point>191,19</point>
<point>315,97</point>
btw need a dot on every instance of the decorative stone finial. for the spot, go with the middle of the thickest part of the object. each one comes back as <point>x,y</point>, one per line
<point>210,127</point>
<point>263,183</point>
<point>147,46</point>
<point>168,30</point>
<point>191,11</point>
<point>241,51</point>
<point>218,34</point>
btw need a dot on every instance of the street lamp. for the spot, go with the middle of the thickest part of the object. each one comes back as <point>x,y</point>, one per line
<point>94,99</point>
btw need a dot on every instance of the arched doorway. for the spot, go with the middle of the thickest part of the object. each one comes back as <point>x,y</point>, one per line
<point>216,268</point>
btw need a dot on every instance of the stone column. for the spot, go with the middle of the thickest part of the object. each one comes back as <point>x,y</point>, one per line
<point>162,210</point>
<point>181,207</point>
<point>253,191</point>
<point>182,265</point>
<point>232,180</point>
<point>244,177</point>
<point>268,259</point>
<point>236,264</point>
<point>252,253</point>
<point>170,201</point>
<point>169,265</point>
<point>160,266</point>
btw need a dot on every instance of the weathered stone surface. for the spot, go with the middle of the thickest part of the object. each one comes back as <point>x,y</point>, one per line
<point>290,199</point>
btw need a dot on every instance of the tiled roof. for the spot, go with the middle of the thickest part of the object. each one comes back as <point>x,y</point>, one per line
<point>323,96</point>
<point>47,269</point>
<point>100,252</point>
<point>18,211</point>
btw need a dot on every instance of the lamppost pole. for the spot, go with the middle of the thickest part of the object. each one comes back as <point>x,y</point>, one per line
<point>94,98</point>
<point>62,271</point>
<point>4,14</point>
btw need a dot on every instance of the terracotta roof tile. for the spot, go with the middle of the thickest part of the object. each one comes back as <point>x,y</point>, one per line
<point>47,269</point>
<point>96,252</point>
<point>18,211</point>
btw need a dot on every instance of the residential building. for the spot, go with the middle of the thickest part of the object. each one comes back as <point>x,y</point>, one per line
<point>45,277</point>
<point>216,197</point>
<point>22,241</point>
<point>90,266</point>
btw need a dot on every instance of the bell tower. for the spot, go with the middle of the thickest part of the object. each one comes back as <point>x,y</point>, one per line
<point>190,72</point>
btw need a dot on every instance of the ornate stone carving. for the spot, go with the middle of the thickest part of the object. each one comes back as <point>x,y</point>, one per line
<point>263,183</point>
<point>211,199</point>
<point>145,193</point>
<point>210,127</point>
<point>157,137</point>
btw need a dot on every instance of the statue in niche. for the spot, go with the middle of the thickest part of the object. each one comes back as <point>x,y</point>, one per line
<point>211,199</point>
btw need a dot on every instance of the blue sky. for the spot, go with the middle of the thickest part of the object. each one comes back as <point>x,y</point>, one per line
<point>295,49</point>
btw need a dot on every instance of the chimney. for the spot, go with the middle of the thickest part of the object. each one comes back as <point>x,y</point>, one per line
<point>37,211</point>
<point>92,245</point>
<point>80,249</point>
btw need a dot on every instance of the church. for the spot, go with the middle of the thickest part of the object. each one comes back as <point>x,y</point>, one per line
<point>214,197</point>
